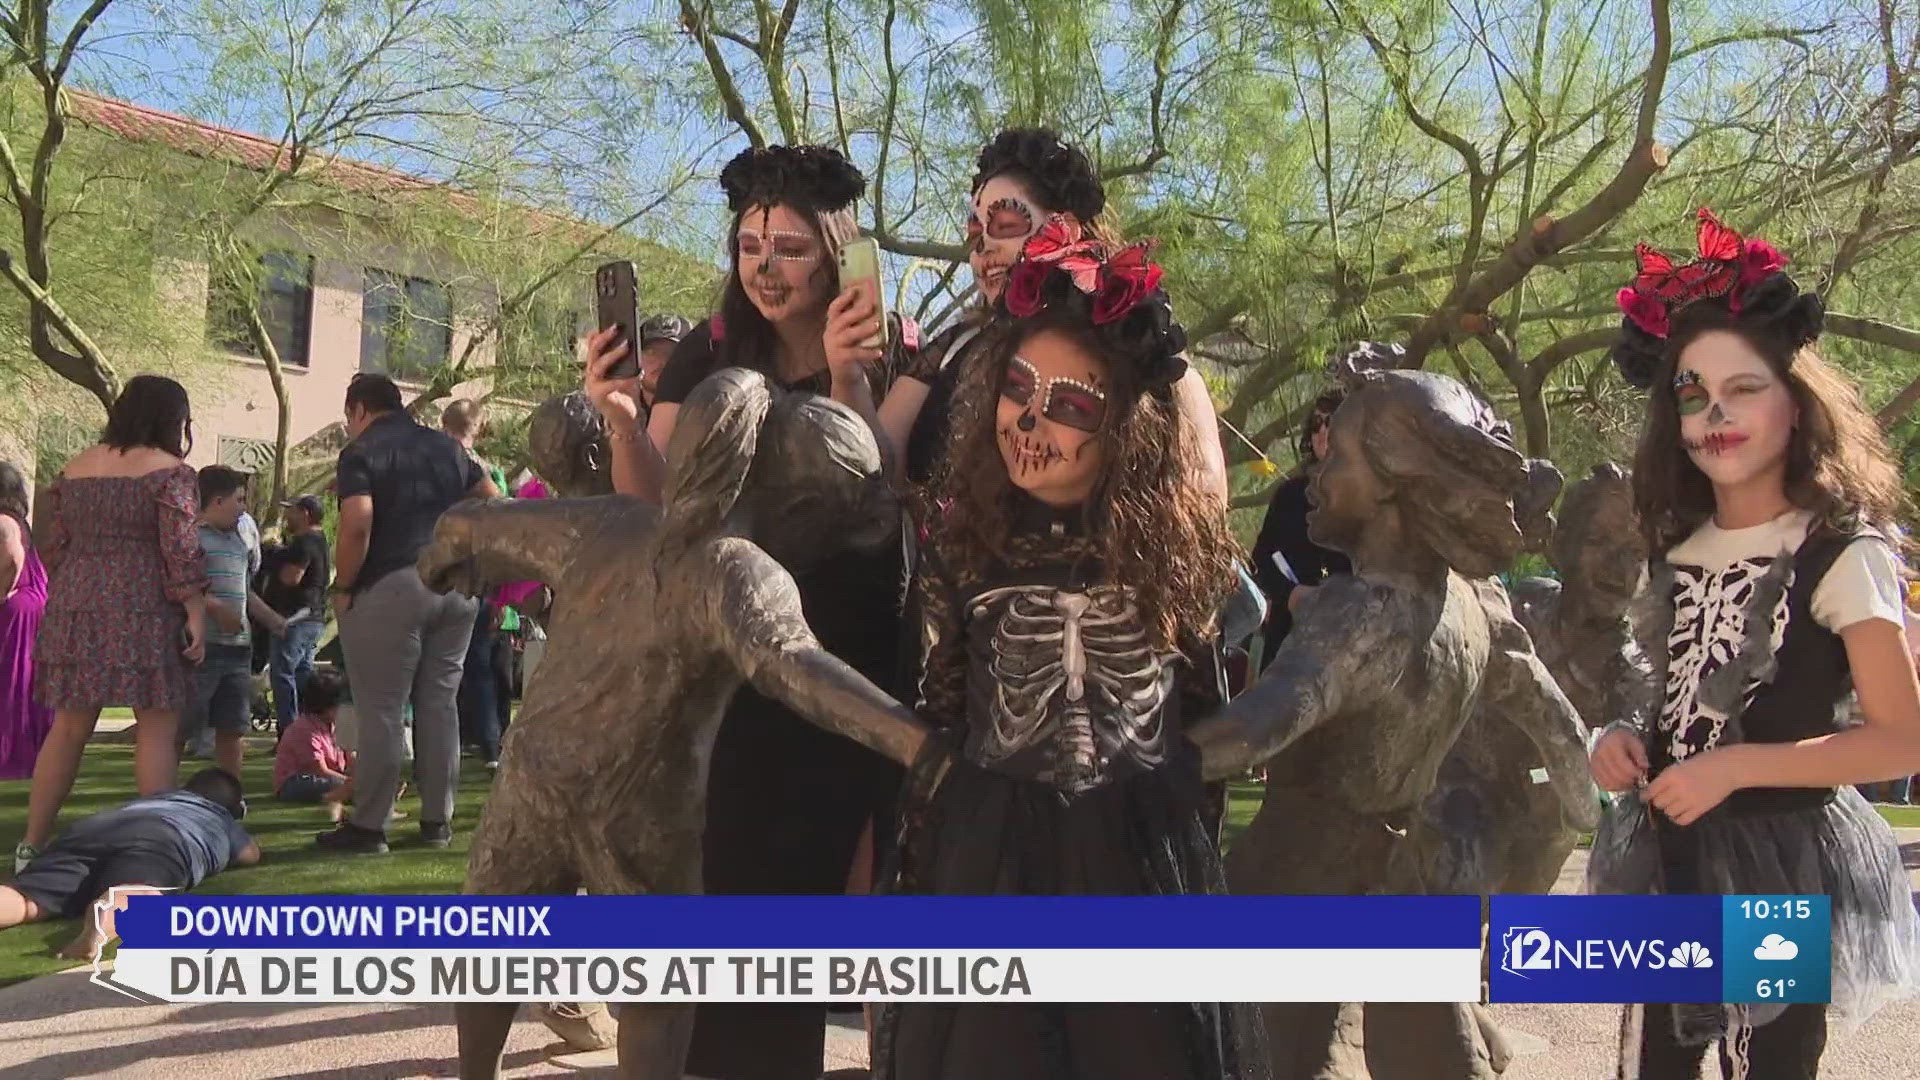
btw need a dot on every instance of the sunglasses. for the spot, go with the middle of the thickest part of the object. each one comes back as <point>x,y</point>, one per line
<point>1069,402</point>
<point>782,246</point>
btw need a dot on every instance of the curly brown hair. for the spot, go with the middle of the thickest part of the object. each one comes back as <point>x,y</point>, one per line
<point>1159,533</point>
<point>1838,465</point>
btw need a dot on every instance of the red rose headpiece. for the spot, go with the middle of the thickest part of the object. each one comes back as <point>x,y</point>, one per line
<point>1742,273</point>
<point>1118,289</point>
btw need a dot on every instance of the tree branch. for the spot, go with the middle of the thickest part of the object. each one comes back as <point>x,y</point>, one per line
<point>699,24</point>
<point>1162,66</point>
<point>1547,235</point>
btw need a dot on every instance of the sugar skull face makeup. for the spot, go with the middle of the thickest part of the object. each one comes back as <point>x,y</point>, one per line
<point>1053,405</point>
<point>1063,400</point>
<point>1736,416</point>
<point>999,222</point>
<point>779,258</point>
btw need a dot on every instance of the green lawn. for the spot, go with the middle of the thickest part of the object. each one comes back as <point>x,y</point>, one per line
<point>291,864</point>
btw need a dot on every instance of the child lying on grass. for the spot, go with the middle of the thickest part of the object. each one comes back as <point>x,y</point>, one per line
<point>173,840</point>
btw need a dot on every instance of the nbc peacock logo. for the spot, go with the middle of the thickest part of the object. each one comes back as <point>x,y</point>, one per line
<point>1690,954</point>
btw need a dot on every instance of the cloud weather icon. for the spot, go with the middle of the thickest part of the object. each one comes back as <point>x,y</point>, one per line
<point>1775,947</point>
<point>1691,954</point>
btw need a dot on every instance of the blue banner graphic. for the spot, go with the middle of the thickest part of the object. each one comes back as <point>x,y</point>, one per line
<point>1659,948</point>
<point>179,922</point>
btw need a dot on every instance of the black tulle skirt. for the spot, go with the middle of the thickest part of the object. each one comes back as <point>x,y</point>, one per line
<point>1841,849</point>
<point>990,834</point>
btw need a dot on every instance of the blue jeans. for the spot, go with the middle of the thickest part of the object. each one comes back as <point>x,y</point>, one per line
<point>288,665</point>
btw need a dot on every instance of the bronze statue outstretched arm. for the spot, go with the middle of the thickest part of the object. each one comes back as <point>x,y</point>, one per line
<point>1530,700</point>
<point>758,615</point>
<point>479,545</point>
<point>1318,668</point>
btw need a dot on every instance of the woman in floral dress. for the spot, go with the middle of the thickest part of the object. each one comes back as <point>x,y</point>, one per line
<point>126,596</point>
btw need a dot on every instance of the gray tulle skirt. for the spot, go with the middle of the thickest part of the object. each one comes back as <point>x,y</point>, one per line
<point>1842,849</point>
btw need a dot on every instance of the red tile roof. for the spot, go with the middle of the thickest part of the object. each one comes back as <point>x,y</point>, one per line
<point>139,123</point>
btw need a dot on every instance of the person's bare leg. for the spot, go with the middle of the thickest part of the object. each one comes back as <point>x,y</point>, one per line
<point>228,748</point>
<point>15,908</point>
<point>156,750</point>
<point>483,1028</point>
<point>337,799</point>
<point>54,770</point>
<point>653,1040</point>
<point>97,923</point>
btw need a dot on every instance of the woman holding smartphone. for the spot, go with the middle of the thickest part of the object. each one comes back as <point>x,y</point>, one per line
<point>787,802</point>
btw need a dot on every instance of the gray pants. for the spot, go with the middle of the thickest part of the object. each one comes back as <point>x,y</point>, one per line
<point>404,643</point>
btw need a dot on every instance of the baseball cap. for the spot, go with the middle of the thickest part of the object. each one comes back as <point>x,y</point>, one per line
<point>310,503</point>
<point>664,328</point>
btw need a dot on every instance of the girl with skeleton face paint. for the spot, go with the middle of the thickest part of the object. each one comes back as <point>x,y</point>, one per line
<point>1068,592</point>
<point>1025,177</point>
<point>1772,610</point>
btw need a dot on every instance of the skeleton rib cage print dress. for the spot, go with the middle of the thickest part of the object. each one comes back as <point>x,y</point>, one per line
<point>1073,777</point>
<point>1742,628</point>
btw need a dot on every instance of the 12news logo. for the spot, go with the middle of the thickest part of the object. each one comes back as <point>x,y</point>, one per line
<point>1530,948</point>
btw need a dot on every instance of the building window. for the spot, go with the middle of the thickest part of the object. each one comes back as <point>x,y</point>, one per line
<point>285,299</point>
<point>406,326</point>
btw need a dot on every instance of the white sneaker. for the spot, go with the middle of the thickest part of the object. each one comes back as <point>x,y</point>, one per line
<point>22,855</point>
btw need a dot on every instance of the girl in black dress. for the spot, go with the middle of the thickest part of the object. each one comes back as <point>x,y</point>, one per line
<point>1769,495</point>
<point>1069,586</point>
<point>787,802</point>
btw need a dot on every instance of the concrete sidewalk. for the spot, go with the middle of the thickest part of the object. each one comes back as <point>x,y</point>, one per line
<point>62,1026</point>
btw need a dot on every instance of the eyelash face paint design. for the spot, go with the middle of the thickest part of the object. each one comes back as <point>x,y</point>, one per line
<point>1068,402</point>
<point>1004,219</point>
<point>1689,392</point>
<point>785,246</point>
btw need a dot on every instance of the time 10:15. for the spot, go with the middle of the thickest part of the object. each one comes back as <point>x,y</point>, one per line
<point>1776,909</point>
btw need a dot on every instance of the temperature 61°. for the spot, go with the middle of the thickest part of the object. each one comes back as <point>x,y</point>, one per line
<point>1772,988</point>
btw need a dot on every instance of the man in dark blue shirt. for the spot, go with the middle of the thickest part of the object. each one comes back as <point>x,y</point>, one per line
<point>173,840</point>
<point>403,643</point>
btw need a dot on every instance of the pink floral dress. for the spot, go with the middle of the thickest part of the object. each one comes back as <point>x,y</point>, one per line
<point>122,555</point>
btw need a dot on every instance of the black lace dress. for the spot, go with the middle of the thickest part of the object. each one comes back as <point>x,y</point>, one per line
<point>1073,777</point>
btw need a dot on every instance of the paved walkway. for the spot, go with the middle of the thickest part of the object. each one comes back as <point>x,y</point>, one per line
<point>61,1026</point>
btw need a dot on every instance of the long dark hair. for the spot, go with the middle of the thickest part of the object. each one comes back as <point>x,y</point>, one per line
<point>1838,466</point>
<point>152,410</point>
<point>1159,533</point>
<point>13,491</point>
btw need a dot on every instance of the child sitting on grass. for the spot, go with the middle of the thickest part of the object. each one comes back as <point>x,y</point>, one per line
<point>309,765</point>
<point>173,840</point>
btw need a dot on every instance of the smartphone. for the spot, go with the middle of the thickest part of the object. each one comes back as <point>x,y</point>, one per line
<point>860,261</point>
<point>617,303</point>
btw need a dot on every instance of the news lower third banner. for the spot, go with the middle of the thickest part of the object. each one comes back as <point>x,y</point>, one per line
<point>798,948</point>
<point>1750,949</point>
<point>961,948</point>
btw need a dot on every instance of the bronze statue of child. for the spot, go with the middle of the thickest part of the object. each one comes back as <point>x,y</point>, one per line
<point>660,612</point>
<point>1371,690</point>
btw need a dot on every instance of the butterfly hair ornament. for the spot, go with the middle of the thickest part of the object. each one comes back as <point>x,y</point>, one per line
<point>1116,288</point>
<point>1743,274</point>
